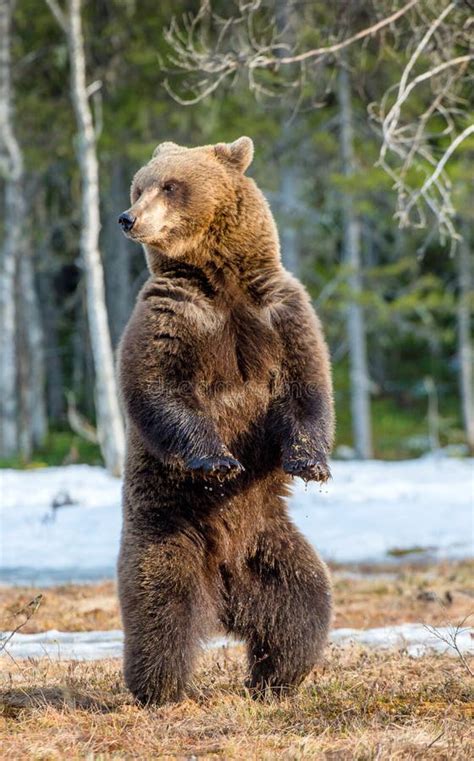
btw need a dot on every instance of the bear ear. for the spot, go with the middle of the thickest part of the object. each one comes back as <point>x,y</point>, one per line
<point>162,147</point>
<point>238,154</point>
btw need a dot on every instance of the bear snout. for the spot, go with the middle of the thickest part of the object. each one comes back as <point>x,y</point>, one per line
<point>126,221</point>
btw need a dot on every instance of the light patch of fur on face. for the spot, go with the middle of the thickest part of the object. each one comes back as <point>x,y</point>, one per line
<point>155,220</point>
<point>156,217</point>
<point>180,247</point>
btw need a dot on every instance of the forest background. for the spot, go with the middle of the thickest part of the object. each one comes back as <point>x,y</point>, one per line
<point>373,202</point>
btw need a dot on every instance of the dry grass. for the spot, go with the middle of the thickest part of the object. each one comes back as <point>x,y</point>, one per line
<point>356,705</point>
<point>432,595</point>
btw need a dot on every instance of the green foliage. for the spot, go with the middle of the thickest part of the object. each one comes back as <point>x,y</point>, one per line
<point>410,287</point>
<point>61,447</point>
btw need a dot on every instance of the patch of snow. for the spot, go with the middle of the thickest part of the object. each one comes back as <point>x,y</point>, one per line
<point>414,639</point>
<point>76,646</point>
<point>42,546</point>
<point>367,509</point>
<point>370,508</point>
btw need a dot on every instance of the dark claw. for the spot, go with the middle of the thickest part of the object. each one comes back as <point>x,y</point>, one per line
<point>309,469</point>
<point>219,467</point>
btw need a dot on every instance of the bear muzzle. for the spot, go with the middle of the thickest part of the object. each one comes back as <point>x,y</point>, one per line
<point>126,221</point>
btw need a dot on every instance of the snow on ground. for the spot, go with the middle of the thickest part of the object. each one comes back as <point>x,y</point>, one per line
<point>77,542</point>
<point>367,510</point>
<point>371,508</point>
<point>414,639</point>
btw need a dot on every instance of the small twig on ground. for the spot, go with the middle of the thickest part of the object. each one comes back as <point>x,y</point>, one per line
<point>28,611</point>
<point>451,639</point>
<point>435,740</point>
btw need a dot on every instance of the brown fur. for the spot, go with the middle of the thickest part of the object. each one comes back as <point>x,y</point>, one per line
<point>226,386</point>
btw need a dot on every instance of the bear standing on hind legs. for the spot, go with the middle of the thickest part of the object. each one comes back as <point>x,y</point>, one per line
<point>226,385</point>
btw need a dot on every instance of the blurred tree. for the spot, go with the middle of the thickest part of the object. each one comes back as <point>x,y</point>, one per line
<point>288,191</point>
<point>30,357</point>
<point>356,332</point>
<point>212,50</point>
<point>12,171</point>
<point>410,288</point>
<point>22,412</point>
<point>118,253</point>
<point>466,357</point>
<point>109,420</point>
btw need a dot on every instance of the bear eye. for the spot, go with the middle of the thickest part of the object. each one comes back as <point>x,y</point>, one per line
<point>137,192</point>
<point>169,187</point>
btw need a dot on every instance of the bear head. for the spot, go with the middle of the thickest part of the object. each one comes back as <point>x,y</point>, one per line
<point>185,199</point>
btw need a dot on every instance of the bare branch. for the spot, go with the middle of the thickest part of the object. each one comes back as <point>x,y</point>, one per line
<point>78,422</point>
<point>390,120</point>
<point>203,94</point>
<point>93,88</point>
<point>439,40</point>
<point>421,46</point>
<point>409,145</point>
<point>239,48</point>
<point>441,164</point>
<point>368,32</point>
<point>58,14</point>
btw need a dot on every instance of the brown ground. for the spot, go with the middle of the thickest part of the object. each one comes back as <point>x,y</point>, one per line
<point>358,704</point>
<point>434,595</point>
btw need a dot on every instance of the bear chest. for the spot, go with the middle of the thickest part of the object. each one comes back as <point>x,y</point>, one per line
<point>240,366</point>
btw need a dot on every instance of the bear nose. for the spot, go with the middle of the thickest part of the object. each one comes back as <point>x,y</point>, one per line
<point>126,221</point>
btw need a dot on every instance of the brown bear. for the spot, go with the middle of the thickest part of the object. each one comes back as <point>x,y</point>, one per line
<point>226,386</point>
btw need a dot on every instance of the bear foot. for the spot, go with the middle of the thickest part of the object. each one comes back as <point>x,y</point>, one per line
<point>308,468</point>
<point>221,467</point>
<point>265,693</point>
<point>155,692</point>
<point>271,687</point>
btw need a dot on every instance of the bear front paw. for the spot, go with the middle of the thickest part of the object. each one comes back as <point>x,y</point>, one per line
<point>221,467</point>
<point>308,468</point>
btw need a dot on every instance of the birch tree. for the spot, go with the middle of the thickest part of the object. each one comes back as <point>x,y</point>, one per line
<point>22,358</point>
<point>109,420</point>
<point>12,171</point>
<point>289,180</point>
<point>465,353</point>
<point>359,376</point>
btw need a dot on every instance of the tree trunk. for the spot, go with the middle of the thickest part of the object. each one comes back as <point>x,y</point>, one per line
<point>289,236</point>
<point>466,375</point>
<point>117,253</point>
<point>359,377</point>
<point>109,421</point>
<point>52,349</point>
<point>289,183</point>
<point>12,169</point>
<point>23,411</point>
<point>34,412</point>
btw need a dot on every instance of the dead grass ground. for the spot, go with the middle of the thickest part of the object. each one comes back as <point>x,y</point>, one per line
<point>434,594</point>
<point>356,705</point>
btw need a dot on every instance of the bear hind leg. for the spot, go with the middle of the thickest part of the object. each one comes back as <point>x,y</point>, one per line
<point>280,604</point>
<point>165,612</point>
